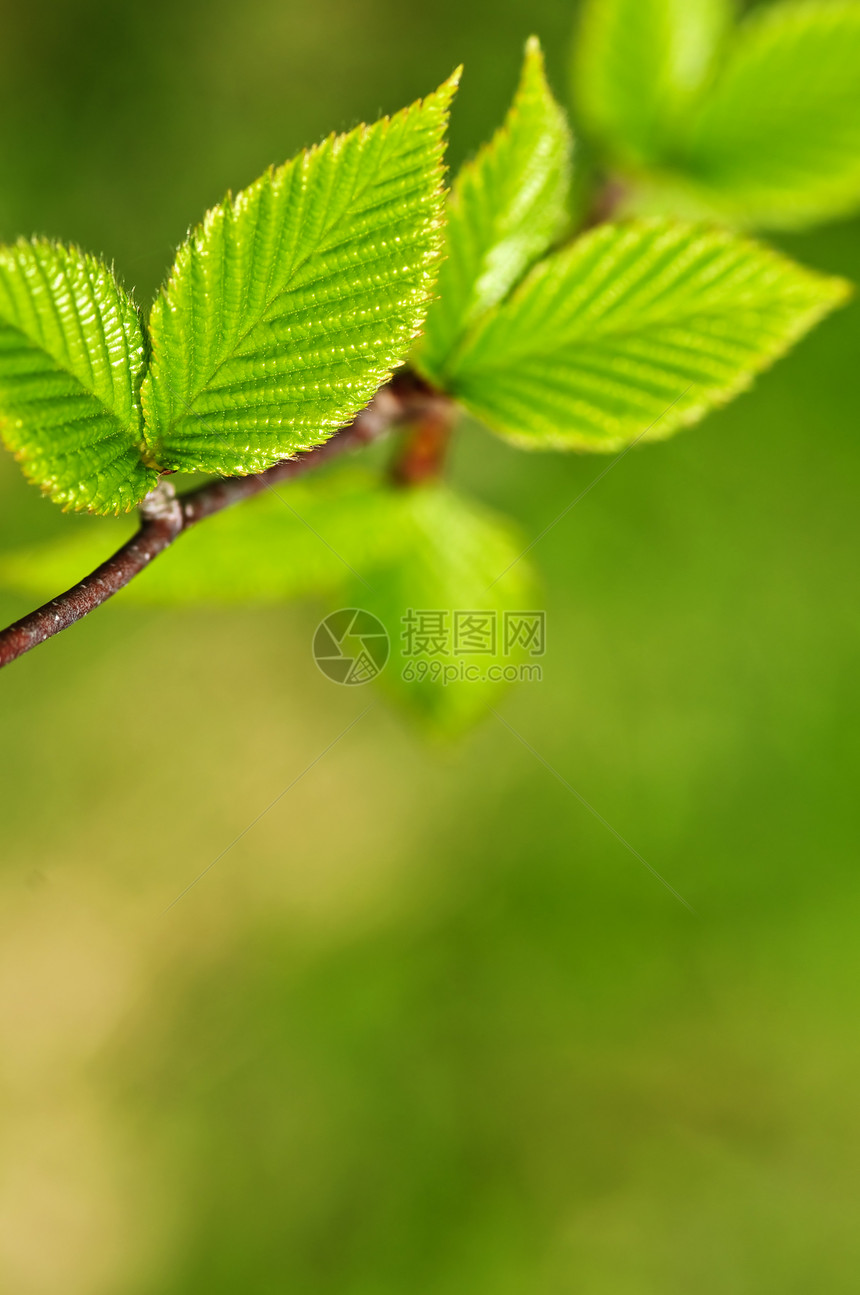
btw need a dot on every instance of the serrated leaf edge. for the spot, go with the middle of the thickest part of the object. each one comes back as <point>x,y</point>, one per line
<point>49,490</point>
<point>840,291</point>
<point>334,141</point>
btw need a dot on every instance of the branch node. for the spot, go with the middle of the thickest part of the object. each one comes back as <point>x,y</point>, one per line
<point>162,505</point>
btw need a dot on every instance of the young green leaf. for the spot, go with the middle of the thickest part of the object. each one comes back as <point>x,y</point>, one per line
<point>776,142</point>
<point>71,358</point>
<point>506,209</point>
<point>295,300</point>
<point>639,65</point>
<point>634,331</point>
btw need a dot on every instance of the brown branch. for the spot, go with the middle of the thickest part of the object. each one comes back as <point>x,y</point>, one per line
<point>606,202</point>
<point>161,522</point>
<point>421,457</point>
<point>164,517</point>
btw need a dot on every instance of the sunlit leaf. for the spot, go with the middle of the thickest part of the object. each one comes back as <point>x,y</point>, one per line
<point>71,358</point>
<point>506,208</point>
<point>634,331</point>
<point>292,302</point>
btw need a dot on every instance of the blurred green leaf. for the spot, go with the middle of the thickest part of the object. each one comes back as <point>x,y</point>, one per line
<point>452,556</point>
<point>292,302</point>
<point>71,358</point>
<point>638,67</point>
<point>757,126</point>
<point>777,140</point>
<point>43,570</point>
<point>345,536</point>
<point>297,539</point>
<point>506,209</point>
<point>634,331</point>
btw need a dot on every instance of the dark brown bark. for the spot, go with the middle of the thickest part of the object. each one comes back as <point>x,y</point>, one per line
<point>157,531</point>
<point>605,205</point>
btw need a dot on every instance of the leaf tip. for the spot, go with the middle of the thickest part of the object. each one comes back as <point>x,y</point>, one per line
<point>841,291</point>
<point>447,90</point>
<point>534,50</point>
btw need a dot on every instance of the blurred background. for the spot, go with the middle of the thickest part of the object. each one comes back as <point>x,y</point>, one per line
<point>427,1026</point>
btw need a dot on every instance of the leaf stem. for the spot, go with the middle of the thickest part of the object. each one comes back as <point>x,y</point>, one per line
<point>606,202</point>
<point>164,516</point>
<point>421,456</point>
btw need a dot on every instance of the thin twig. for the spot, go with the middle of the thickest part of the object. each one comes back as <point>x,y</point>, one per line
<point>164,517</point>
<point>157,532</point>
<point>607,203</point>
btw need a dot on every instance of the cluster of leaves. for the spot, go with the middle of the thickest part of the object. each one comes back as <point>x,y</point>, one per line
<point>295,300</point>
<point>283,314</point>
<point>628,332</point>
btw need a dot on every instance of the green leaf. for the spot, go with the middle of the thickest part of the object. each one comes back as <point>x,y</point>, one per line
<point>634,331</point>
<point>506,208</point>
<point>777,140</point>
<point>299,539</point>
<point>451,557</point>
<point>758,126</point>
<point>71,359</point>
<point>294,301</point>
<point>46,569</point>
<point>639,65</point>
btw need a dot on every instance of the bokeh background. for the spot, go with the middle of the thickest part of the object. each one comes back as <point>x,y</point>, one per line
<point>427,1026</point>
